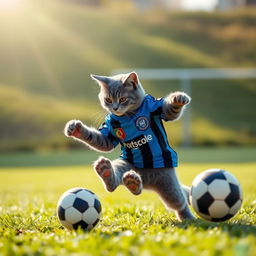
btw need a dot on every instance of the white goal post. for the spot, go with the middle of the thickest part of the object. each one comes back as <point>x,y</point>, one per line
<point>185,76</point>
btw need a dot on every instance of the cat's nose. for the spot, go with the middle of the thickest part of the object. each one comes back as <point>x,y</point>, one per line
<point>115,108</point>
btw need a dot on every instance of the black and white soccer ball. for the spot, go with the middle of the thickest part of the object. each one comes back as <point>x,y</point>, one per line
<point>79,208</point>
<point>216,195</point>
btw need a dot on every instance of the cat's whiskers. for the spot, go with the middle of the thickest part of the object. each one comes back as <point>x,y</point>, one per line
<point>98,117</point>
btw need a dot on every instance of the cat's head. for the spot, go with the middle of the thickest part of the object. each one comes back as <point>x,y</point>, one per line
<point>122,94</point>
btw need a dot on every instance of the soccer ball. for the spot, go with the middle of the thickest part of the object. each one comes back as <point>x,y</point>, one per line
<point>216,195</point>
<point>79,208</point>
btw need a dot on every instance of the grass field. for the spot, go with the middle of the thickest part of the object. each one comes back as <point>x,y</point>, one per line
<point>129,225</point>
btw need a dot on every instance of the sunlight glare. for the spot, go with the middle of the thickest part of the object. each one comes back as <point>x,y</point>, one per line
<point>9,4</point>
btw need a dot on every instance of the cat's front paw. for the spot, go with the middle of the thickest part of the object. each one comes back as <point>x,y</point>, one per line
<point>179,99</point>
<point>73,128</point>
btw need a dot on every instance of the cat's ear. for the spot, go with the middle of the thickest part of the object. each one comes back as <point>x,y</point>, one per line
<point>131,80</point>
<point>101,80</point>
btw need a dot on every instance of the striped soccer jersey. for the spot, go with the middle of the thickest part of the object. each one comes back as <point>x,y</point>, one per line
<point>142,136</point>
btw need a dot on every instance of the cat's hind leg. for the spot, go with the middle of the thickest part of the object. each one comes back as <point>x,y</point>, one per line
<point>133,182</point>
<point>104,169</point>
<point>186,191</point>
<point>111,172</point>
<point>173,194</point>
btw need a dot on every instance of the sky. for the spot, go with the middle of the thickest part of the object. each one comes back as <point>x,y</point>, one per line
<point>199,4</point>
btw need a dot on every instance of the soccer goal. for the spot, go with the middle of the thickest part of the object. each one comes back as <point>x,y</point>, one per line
<point>185,76</point>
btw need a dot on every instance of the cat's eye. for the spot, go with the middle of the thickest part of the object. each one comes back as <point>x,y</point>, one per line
<point>123,99</point>
<point>108,100</point>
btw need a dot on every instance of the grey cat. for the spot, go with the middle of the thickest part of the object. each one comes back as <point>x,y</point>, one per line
<point>135,122</point>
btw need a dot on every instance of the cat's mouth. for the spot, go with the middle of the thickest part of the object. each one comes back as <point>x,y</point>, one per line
<point>118,113</point>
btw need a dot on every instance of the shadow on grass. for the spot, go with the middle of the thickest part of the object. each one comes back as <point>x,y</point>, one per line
<point>233,229</point>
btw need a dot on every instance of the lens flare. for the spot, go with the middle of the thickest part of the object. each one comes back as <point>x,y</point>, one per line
<point>9,4</point>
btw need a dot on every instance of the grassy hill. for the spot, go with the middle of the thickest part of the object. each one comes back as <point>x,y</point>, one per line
<point>48,51</point>
<point>29,120</point>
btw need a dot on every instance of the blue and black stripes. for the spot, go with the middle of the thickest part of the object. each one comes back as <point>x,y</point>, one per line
<point>159,131</point>
<point>138,152</point>
<point>143,148</point>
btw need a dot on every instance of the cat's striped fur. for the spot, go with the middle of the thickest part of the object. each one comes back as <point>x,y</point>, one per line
<point>123,95</point>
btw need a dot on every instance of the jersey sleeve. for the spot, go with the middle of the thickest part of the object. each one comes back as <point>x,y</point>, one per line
<point>104,129</point>
<point>156,106</point>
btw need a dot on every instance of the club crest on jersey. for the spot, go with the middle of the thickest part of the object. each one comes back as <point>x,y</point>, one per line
<point>119,132</point>
<point>142,123</point>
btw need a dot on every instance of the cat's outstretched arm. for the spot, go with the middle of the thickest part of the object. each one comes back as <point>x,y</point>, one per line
<point>174,104</point>
<point>90,136</point>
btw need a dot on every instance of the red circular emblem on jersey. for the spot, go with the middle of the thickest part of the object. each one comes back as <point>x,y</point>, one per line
<point>120,133</point>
